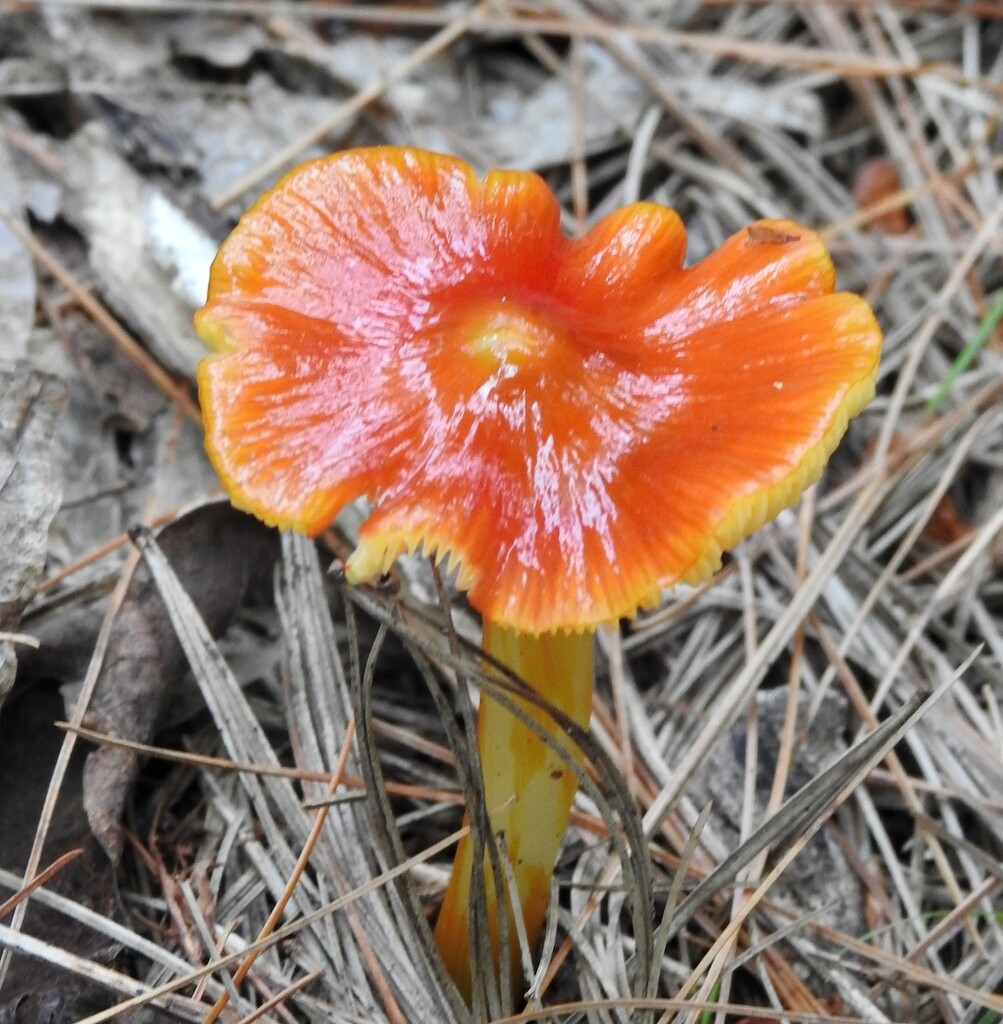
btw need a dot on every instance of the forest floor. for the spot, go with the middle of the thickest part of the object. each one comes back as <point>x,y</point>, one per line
<point>806,818</point>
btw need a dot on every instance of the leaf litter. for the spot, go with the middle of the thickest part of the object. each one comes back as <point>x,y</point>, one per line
<point>787,863</point>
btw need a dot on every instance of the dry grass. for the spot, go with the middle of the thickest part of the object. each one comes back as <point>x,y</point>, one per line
<point>869,771</point>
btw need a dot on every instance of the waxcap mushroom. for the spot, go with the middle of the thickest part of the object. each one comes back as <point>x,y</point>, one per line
<point>575,423</point>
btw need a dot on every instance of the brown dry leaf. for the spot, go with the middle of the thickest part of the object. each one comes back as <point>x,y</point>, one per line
<point>875,180</point>
<point>217,553</point>
<point>947,524</point>
<point>30,404</point>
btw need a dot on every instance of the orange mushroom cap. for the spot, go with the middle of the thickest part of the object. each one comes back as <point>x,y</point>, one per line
<point>576,423</point>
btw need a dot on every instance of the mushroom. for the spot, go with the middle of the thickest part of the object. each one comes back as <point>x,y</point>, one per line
<point>575,423</point>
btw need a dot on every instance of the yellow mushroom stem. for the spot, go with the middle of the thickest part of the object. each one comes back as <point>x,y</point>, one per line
<point>528,789</point>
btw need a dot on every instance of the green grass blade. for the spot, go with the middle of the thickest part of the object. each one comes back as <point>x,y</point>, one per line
<point>967,355</point>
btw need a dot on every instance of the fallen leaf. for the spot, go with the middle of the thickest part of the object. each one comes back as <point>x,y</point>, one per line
<point>877,179</point>
<point>151,261</point>
<point>17,270</point>
<point>30,404</point>
<point>217,552</point>
<point>721,781</point>
<point>536,130</point>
